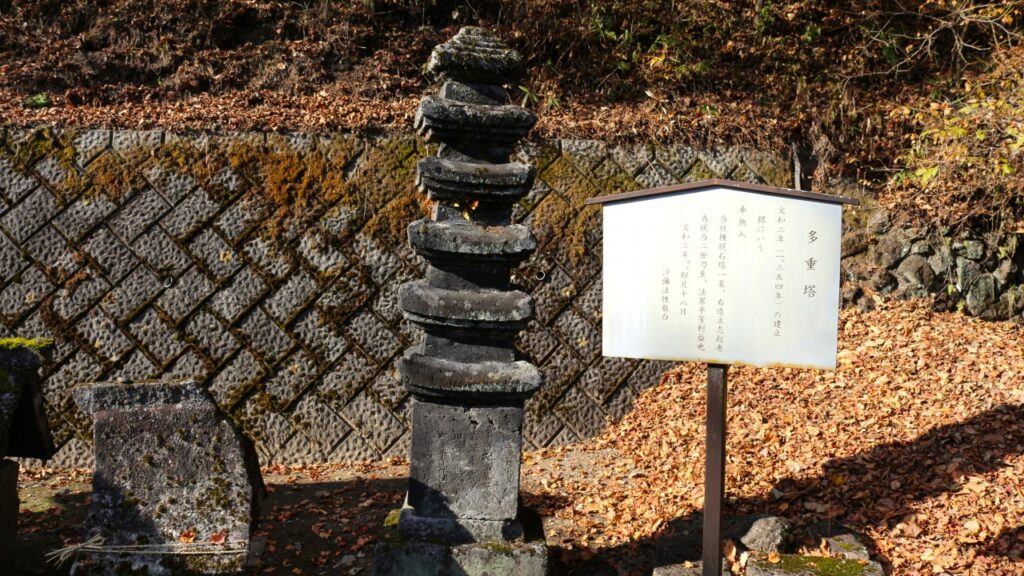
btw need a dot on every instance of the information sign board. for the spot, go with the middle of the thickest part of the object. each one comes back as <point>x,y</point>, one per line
<point>722,273</point>
<point>725,273</point>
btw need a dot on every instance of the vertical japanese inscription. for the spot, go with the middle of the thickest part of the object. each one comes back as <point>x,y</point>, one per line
<point>780,269</point>
<point>666,290</point>
<point>702,295</point>
<point>723,237</point>
<point>684,272</point>
<point>811,287</point>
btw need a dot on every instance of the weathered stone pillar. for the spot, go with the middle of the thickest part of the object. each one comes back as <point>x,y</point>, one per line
<point>176,488</point>
<point>23,428</point>
<point>468,388</point>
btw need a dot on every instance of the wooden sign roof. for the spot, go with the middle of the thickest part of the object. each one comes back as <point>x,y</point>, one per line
<point>716,183</point>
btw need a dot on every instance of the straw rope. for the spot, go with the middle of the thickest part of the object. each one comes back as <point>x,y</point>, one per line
<point>96,544</point>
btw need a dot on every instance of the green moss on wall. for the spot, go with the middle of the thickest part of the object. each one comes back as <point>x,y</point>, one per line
<point>48,143</point>
<point>293,183</point>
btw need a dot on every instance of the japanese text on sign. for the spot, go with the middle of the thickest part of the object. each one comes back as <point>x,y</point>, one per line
<point>722,275</point>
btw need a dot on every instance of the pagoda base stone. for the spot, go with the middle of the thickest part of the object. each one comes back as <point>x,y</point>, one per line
<point>464,461</point>
<point>398,555</point>
<point>8,510</point>
<point>695,568</point>
<point>457,530</point>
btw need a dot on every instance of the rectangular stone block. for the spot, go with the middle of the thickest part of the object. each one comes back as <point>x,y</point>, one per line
<point>11,259</point>
<point>184,218</point>
<point>265,255</point>
<point>291,297</point>
<point>325,258</point>
<point>160,252</point>
<point>219,258</point>
<point>172,185</point>
<point>465,461</point>
<point>231,383</point>
<point>211,335</point>
<point>138,214</point>
<point>13,184</point>
<point>159,339</point>
<point>238,295</point>
<point>69,303</point>
<point>52,251</point>
<point>30,215</point>
<point>172,474</point>
<point>239,218</point>
<point>373,421</point>
<point>100,332</point>
<point>137,289</point>
<point>266,339</point>
<point>319,336</point>
<point>110,254</point>
<point>24,293</point>
<point>83,215</point>
<point>185,294</point>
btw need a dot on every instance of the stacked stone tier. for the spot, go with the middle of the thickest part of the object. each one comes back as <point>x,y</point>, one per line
<point>454,181</point>
<point>441,119</point>
<point>433,307</point>
<point>460,240</point>
<point>432,378</point>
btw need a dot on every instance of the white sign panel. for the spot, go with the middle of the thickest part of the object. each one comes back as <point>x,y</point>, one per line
<point>722,276</point>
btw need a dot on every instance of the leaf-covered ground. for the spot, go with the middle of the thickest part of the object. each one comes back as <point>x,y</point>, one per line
<point>916,440</point>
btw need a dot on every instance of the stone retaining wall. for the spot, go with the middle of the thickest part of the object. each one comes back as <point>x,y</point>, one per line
<point>267,266</point>
<point>977,274</point>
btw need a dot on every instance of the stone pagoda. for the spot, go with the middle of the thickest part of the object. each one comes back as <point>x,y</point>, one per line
<point>462,513</point>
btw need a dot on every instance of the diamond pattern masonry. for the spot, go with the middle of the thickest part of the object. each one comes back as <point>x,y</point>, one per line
<point>296,334</point>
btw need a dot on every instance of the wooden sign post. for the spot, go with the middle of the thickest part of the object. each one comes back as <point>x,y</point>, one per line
<point>725,273</point>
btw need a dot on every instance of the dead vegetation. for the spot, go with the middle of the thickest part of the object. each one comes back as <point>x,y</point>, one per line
<point>845,82</point>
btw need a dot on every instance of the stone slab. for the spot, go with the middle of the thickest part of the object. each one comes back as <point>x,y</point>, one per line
<point>465,461</point>
<point>396,556</point>
<point>8,511</point>
<point>795,565</point>
<point>168,464</point>
<point>687,569</point>
<point>458,530</point>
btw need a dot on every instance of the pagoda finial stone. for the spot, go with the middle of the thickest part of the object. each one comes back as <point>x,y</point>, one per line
<point>476,55</point>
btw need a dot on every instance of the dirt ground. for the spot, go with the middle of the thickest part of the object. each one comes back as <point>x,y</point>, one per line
<point>916,441</point>
<point>317,519</point>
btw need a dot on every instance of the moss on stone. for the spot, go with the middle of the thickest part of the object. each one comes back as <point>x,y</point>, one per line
<point>818,566</point>
<point>499,548</point>
<point>38,345</point>
<point>41,347</point>
<point>48,143</point>
<point>391,521</point>
<point>112,178</point>
<point>566,216</point>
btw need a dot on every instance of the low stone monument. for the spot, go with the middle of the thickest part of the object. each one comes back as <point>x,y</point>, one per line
<point>462,513</point>
<point>176,488</point>
<point>23,429</point>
